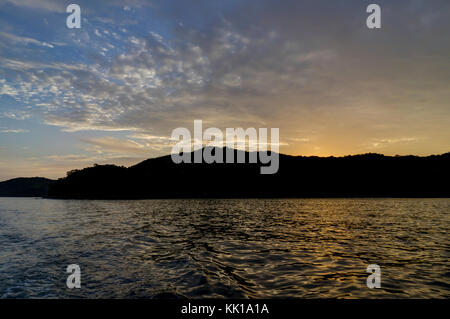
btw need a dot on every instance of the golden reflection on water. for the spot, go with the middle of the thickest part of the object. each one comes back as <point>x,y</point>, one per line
<point>250,248</point>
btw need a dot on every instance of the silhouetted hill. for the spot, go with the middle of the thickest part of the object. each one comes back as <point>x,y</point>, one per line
<point>368,175</point>
<point>25,187</point>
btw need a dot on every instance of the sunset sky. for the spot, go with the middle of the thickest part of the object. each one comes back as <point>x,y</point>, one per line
<point>113,90</point>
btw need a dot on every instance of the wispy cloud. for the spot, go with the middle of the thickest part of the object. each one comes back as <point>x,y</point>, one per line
<point>15,115</point>
<point>13,131</point>
<point>23,40</point>
<point>47,5</point>
<point>389,141</point>
<point>115,145</point>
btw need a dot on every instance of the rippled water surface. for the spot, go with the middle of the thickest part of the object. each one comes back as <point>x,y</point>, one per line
<point>252,248</point>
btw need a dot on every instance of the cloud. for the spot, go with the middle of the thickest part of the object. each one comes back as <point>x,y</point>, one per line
<point>309,65</point>
<point>47,5</point>
<point>13,131</point>
<point>154,83</point>
<point>115,145</point>
<point>388,141</point>
<point>60,6</point>
<point>15,115</point>
<point>17,39</point>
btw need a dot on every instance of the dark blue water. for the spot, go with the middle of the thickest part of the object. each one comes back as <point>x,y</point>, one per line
<point>296,248</point>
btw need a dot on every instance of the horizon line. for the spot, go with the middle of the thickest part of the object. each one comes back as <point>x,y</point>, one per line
<point>246,151</point>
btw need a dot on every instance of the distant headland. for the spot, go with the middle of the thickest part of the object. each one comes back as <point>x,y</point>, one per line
<point>367,175</point>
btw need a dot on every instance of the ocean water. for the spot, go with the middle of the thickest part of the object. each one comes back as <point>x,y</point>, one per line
<point>245,248</point>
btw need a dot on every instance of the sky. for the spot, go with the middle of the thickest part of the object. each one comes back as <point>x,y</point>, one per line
<point>113,90</point>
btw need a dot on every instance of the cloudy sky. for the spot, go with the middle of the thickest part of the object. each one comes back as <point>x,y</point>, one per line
<point>113,90</point>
